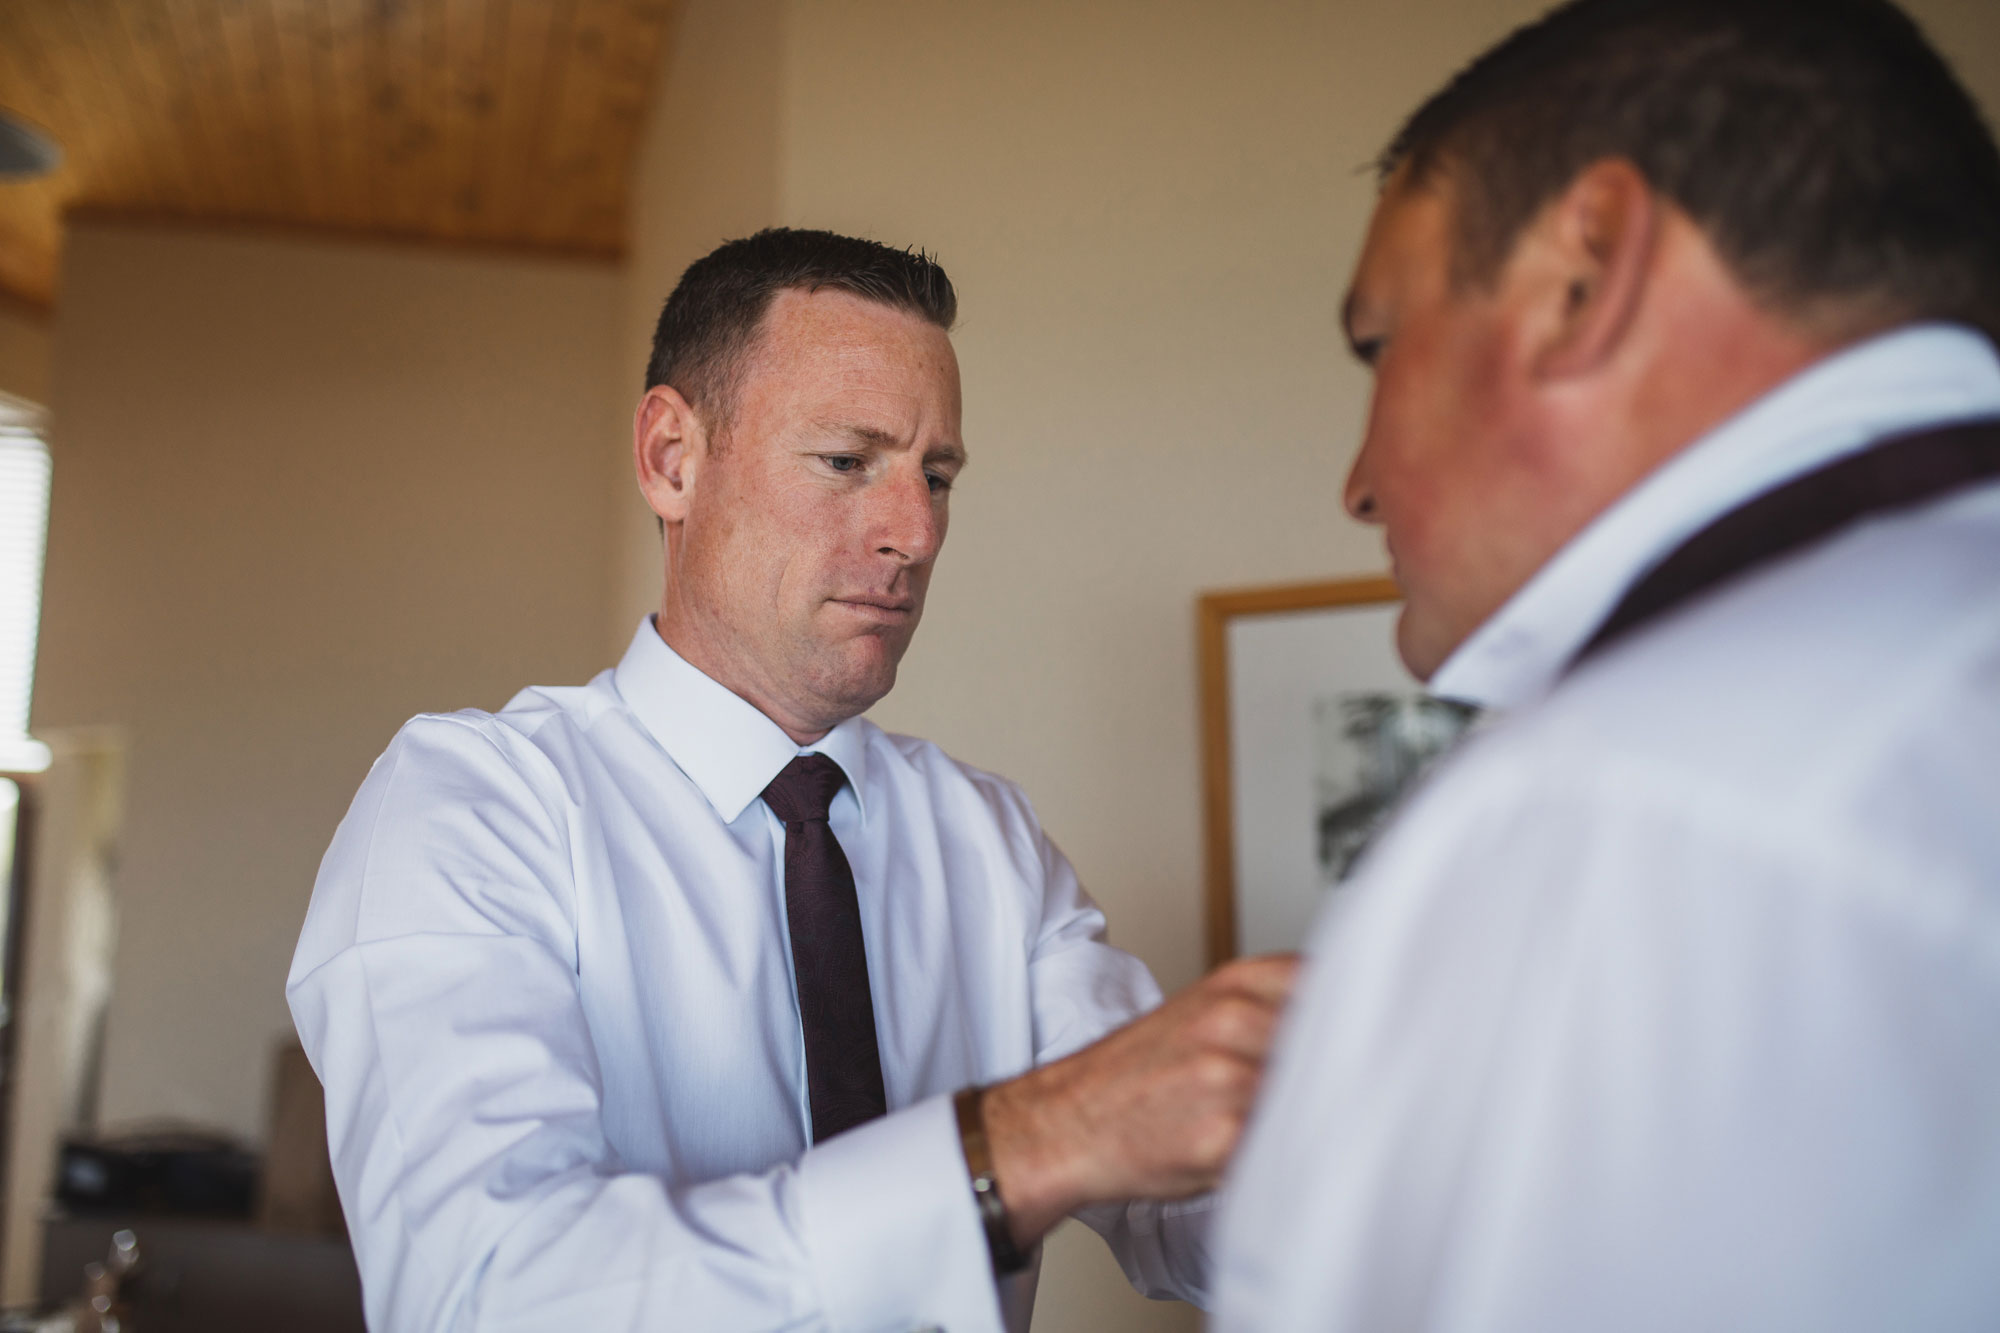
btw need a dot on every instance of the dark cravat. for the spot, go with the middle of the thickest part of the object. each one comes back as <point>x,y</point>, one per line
<point>829,961</point>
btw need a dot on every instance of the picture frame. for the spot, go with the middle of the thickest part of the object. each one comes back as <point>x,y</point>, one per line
<point>1311,728</point>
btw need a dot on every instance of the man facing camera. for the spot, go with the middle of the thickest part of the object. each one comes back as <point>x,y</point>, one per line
<point>688,998</point>
<point>1672,1002</point>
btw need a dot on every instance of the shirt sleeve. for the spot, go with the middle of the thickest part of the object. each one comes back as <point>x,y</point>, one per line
<point>435,988</point>
<point>1596,1049</point>
<point>1083,989</point>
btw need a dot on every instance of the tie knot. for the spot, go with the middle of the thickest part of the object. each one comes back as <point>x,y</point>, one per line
<point>805,790</point>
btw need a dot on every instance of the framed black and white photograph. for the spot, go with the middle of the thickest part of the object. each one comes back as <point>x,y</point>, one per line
<point>1312,730</point>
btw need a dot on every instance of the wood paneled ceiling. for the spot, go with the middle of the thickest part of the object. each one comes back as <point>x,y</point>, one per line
<point>492,122</point>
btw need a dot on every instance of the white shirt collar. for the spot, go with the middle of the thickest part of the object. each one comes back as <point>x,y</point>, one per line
<point>725,745</point>
<point>1916,377</point>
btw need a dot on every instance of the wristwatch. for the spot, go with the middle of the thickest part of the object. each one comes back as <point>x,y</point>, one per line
<point>1007,1256</point>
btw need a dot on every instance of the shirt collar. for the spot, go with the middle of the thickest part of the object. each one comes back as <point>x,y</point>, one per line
<point>1904,381</point>
<point>725,745</point>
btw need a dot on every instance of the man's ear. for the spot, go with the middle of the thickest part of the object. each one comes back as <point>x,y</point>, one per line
<point>1603,230</point>
<point>668,445</point>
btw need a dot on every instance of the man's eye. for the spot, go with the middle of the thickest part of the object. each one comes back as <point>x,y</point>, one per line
<point>939,482</point>
<point>1366,350</point>
<point>842,462</point>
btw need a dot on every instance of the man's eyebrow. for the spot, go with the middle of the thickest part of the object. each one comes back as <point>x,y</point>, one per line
<point>872,436</point>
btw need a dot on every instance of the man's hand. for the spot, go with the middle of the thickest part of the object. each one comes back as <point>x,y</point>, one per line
<point>1152,1111</point>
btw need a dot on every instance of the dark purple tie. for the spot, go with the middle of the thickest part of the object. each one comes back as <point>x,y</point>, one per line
<point>829,961</point>
<point>1888,476</point>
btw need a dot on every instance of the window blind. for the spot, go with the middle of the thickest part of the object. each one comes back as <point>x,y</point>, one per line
<point>24,525</point>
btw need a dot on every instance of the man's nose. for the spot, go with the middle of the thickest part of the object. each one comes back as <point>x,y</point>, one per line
<point>1358,496</point>
<point>909,521</point>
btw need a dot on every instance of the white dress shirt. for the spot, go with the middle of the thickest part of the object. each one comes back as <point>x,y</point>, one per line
<point>1673,1000</point>
<point>546,981</point>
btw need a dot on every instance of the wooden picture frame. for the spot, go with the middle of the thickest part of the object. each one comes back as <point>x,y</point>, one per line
<point>1216,614</point>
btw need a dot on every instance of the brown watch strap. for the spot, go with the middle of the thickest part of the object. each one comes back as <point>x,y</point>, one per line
<point>1007,1256</point>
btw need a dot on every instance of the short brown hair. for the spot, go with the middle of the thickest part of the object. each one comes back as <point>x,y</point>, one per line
<point>1824,147</point>
<point>713,316</point>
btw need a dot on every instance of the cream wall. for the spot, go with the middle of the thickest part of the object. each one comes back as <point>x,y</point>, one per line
<point>24,352</point>
<point>1149,207</point>
<point>707,170</point>
<point>302,492</point>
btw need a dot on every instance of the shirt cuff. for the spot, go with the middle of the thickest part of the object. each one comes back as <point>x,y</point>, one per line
<point>892,1232</point>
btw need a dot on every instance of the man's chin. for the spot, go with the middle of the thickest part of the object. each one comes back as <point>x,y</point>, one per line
<point>858,679</point>
<point>1422,643</point>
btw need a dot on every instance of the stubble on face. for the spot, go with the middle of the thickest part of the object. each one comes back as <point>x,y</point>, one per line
<point>799,577</point>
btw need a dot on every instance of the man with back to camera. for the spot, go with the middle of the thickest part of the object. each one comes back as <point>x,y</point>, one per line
<point>690,999</point>
<point>1673,1002</point>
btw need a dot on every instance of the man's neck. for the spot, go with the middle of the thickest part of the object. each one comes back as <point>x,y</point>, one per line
<point>1894,384</point>
<point>692,649</point>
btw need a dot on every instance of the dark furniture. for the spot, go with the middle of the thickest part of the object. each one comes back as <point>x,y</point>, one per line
<point>200,1276</point>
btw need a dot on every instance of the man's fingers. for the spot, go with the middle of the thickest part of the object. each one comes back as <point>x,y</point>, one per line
<point>1155,1109</point>
<point>1268,976</point>
<point>1238,1023</point>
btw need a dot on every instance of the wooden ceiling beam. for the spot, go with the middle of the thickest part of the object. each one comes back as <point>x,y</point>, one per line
<point>508,123</point>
